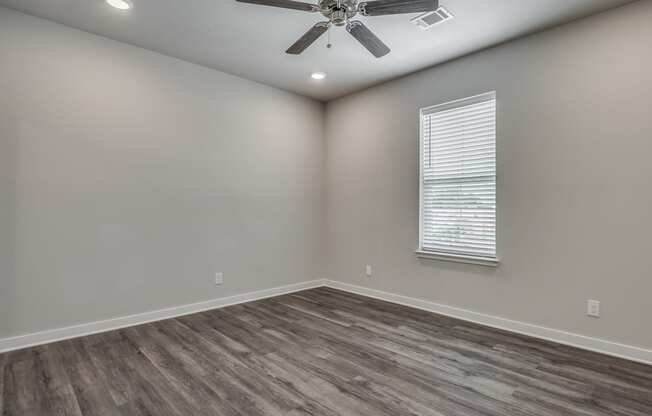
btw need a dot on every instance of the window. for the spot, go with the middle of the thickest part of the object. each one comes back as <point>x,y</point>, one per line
<point>458,180</point>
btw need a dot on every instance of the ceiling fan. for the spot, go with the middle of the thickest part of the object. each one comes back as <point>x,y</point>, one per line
<point>340,13</point>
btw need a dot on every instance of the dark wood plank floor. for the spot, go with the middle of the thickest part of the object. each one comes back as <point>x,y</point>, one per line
<point>318,352</point>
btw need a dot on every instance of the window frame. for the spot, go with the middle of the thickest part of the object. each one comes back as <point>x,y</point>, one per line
<point>421,252</point>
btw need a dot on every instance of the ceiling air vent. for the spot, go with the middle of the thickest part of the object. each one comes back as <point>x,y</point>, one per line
<point>430,19</point>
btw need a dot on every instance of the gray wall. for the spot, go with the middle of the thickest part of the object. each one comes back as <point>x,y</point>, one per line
<point>127,179</point>
<point>574,183</point>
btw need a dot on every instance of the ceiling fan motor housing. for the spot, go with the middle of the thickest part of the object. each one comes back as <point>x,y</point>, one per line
<point>338,12</point>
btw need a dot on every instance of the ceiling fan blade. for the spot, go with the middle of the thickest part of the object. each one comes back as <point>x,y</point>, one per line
<point>367,38</point>
<point>385,7</point>
<point>285,4</point>
<point>308,39</point>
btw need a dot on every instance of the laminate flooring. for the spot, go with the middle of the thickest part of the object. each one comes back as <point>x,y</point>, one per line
<point>318,352</point>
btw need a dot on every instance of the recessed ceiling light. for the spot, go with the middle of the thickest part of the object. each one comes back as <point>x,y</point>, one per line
<point>121,4</point>
<point>318,76</point>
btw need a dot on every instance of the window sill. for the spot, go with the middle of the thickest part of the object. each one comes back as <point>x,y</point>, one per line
<point>457,258</point>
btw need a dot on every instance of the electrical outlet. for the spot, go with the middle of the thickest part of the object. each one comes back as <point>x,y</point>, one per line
<point>368,270</point>
<point>593,308</point>
<point>219,278</point>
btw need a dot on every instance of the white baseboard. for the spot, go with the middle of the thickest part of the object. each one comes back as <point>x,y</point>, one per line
<point>60,334</point>
<point>579,341</point>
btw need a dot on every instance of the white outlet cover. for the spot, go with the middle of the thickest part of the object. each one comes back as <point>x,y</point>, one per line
<point>593,308</point>
<point>219,278</point>
<point>368,270</point>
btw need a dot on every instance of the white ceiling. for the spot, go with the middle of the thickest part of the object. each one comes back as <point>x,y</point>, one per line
<point>250,40</point>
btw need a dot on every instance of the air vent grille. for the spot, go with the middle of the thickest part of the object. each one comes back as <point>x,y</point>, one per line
<point>430,19</point>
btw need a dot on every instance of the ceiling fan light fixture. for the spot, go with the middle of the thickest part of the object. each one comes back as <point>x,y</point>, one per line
<point>318,76</point>
<point>121,4</point>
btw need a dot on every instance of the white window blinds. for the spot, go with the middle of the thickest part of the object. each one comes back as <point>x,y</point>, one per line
<point>458,178</point>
